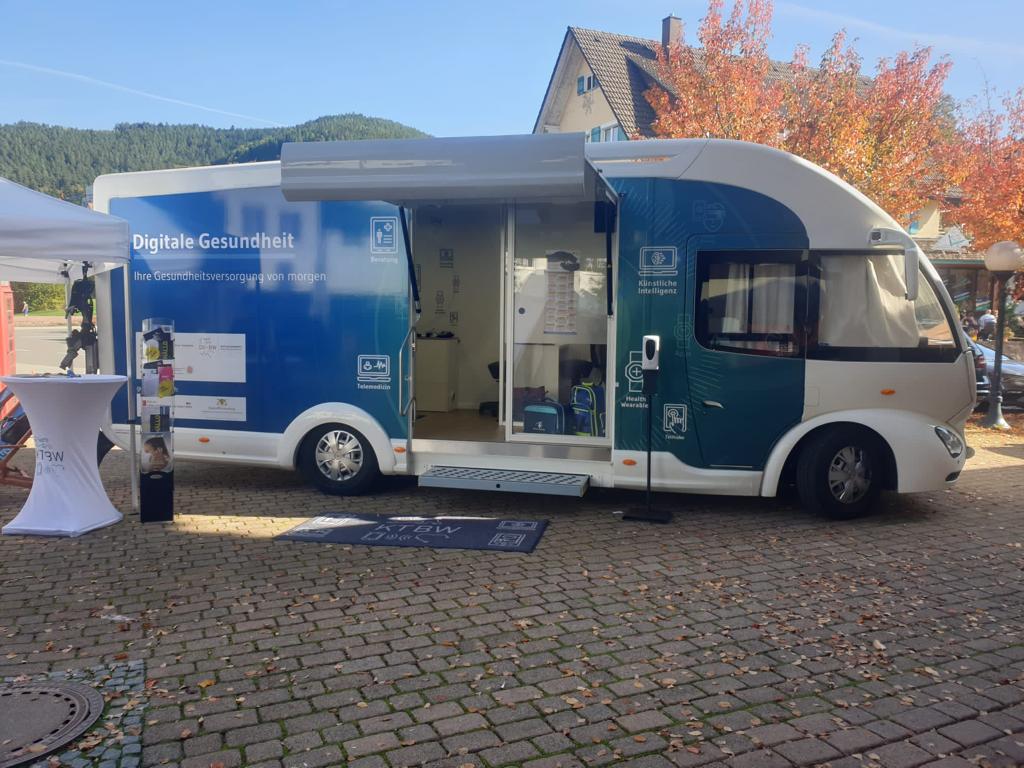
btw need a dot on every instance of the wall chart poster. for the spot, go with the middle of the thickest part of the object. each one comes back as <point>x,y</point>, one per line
<point>156,416</point>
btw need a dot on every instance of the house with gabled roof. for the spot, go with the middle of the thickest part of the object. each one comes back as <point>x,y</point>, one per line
<point>597,87</point>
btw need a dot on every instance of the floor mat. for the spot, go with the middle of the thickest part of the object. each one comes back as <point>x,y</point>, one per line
<point>433,532</point>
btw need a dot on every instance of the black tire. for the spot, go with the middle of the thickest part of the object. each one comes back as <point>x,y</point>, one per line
<point>843,461</point>
<point>349,468</point>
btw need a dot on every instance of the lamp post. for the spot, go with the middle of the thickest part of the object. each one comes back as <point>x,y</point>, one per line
<point>1002,259</point>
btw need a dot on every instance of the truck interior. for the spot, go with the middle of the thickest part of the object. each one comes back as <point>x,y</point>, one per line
<point>541,322</point>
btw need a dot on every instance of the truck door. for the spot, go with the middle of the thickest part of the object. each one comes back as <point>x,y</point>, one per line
<point>745,360</point>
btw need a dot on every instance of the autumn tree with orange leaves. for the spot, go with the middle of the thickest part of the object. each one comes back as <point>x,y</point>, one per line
<point>987,166</point>
<point>721,88</point>
<point>986,161</point>
<point>882,135</point>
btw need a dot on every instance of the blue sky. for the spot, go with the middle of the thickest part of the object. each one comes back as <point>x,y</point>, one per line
<point>449,67</point>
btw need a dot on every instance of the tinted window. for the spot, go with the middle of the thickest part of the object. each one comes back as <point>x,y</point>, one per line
<point>750,303</point>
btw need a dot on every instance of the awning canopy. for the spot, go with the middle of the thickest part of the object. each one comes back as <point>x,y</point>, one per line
<point>41,235</point>
<point>486,169</point>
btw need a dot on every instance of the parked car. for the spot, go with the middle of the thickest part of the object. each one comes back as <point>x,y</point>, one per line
<point>1012,375</point>
<point>980,370</point>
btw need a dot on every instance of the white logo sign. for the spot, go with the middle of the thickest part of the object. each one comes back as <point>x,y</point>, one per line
<point>659,261</point>
<point>634,371</point>
<point>383,234</point>
<point>517,525</point>
<point>507,540</point>
<point>374,369</point>
<point>674,421</point>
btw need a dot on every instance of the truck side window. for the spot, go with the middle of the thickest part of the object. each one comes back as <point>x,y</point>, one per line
<point>749,305</point>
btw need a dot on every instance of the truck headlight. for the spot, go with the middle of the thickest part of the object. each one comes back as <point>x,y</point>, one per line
<point>951,440</point>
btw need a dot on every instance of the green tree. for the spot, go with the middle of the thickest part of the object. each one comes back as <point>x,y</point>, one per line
<point>41,297</point>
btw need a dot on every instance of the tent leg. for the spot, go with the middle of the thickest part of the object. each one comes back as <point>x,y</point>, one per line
<point>129,358</point>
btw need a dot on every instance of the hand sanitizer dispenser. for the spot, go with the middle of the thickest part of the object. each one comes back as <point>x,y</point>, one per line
<point>650,363</point>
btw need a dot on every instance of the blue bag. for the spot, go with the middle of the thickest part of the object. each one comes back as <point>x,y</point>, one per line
<point>546,418</point>
<point>588,409</point>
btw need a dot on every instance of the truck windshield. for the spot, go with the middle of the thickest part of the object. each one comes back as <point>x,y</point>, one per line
<point>863,305</point>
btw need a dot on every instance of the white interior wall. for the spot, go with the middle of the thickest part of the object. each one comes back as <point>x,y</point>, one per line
<point>470,287</point>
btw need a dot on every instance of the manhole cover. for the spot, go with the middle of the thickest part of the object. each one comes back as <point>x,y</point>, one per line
<point>38,718</point>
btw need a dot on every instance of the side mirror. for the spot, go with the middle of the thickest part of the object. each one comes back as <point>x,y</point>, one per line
<point>911,254</point>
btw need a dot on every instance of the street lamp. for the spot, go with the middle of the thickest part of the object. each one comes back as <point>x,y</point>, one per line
<point>1002,259</point>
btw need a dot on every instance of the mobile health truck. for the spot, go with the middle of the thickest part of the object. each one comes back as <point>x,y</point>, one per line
<point>472,311</point>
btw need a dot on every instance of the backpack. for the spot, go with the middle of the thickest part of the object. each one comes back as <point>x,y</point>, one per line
<point>588,409</point>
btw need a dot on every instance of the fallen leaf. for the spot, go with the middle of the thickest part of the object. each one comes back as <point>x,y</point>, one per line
<point>206,683</point>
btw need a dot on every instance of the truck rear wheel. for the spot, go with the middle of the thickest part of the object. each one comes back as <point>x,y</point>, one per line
<point>338,460</point>
<point>839,472</point>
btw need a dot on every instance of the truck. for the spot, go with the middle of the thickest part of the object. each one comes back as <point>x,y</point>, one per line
<point>799,336</point>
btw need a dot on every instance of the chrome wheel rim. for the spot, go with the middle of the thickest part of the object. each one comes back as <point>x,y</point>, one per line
<point>849,478</point>
<point>339,455</point>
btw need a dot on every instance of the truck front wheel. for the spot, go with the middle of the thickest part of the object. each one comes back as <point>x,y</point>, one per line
<point>338,460</point>
<point>839,472</point>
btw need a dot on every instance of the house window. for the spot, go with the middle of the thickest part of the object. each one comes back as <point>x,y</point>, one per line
<point>607,132</point>
<point>581,85</point>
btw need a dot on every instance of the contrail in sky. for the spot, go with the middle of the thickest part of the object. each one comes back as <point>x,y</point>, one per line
<point>134,91</point>
<point>937,39</point>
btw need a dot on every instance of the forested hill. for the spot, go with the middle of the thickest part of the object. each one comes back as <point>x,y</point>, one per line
<point>62,161</point>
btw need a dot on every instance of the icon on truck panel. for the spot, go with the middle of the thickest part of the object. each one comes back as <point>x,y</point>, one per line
<point>659,261</point>
<point>374,368</point>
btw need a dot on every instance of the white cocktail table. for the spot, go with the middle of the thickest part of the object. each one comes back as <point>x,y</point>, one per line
<point>67,496</point>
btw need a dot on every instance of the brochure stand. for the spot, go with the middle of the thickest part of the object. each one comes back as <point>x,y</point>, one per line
<point>156,473</point>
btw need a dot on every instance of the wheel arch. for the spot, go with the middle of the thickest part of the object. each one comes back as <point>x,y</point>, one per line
<point>335,413</point>
<point>781,464</point>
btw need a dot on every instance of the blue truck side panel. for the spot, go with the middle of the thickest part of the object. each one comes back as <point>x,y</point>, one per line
<point>331,292</point>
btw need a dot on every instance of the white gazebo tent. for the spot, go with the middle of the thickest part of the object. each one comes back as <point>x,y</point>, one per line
<point>46,240</point>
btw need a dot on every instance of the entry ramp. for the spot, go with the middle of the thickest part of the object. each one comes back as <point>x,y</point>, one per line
<point>509,480</point>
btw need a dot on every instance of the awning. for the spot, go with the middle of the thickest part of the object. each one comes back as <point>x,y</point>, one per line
<point>486,169</point>
<point>40,236</point>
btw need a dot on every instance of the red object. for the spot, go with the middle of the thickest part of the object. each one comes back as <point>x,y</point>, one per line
<point>7,361</point>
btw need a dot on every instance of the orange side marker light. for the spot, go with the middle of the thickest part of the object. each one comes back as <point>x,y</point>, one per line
<point>204,439</point>
<point>629,462</point>
<point>888,391</point>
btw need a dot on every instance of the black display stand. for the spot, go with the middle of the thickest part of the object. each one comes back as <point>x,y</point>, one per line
<point>156,474</point>
<point>648,513</point>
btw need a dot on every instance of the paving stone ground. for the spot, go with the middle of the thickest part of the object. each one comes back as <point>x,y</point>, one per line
<point>745,633</point>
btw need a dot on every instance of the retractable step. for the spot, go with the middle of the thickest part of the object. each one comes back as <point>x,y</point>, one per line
<point>510,480</point>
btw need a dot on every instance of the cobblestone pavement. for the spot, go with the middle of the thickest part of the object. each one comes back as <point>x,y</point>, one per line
<point>746,633</point>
